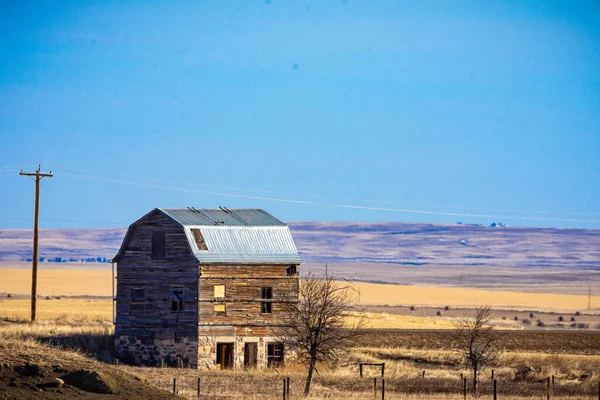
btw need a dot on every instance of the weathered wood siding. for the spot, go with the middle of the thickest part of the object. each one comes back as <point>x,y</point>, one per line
<point>243,300</point>
<point>140,323</point>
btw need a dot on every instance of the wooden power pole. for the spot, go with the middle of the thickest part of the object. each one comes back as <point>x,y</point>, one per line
<point>37,177</point>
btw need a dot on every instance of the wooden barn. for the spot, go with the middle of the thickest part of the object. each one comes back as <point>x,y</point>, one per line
<point>204,287</point>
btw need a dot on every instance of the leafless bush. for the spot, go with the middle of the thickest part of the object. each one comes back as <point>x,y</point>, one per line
<point>322,323</point>
<point>477,343</point>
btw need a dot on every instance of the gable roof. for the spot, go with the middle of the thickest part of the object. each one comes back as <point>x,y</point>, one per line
<point>230,236</point>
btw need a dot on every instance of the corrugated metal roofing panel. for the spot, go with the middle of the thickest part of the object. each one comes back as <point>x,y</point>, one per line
<point>271,244</point>
<point>216,216</point>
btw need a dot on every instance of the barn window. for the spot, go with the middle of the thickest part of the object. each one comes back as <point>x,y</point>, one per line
<point>177,298</point>
<point>274,354</point>
<point>220,309</point>
<point>158,246</point>
<point>199,239</point>
<point>219,291</point>
<point>291,271</point>
<point>138,294</point>
<point>266,293</point>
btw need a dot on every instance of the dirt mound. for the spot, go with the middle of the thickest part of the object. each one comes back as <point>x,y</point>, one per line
<point>31,370</point>
<point>90,381</point>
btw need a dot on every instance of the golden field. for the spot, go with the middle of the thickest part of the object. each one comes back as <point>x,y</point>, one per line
<point>80,282</point>
<point>63,311</point>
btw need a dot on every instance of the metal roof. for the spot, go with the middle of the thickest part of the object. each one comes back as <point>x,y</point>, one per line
<point>244,244</point>
<point>245,236</point>
<point>225,216</point>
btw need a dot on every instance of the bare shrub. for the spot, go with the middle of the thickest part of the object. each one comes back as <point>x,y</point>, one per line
<point>477,343</point>
<point>322,322</point>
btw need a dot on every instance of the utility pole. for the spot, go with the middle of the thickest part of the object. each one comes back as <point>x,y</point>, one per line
<point>38,177</point>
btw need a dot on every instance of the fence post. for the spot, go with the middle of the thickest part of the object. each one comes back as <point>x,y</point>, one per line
<point>548,389</point>
<point>382,370</point>
<point>423,373</point>
<point>461,376</point>
<point>465,388</point>
<point>287,389</point>
<point>374,388</point>
<point>552,381</point>
<point>492,374</point>
<point>174,385</point>
<point>495,391</point>
<point>360,369</point>
<point>284,391</point>
<point>198,392</point>
<point>382,388</point>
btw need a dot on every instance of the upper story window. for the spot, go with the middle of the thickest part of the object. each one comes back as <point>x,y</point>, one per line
<point>219,291</point>
<point>158,246</point>
<point>138,294</point>
<point>292,270</point>
<point>266,293</point>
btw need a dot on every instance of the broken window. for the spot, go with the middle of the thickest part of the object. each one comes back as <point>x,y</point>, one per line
<point>291,271</point>
<point>274,354</point>
<point>219,291</point>
<point>138,294</point>
<point>220,309</point>
<point>158,246</point>
<point>199,239</point>
<point>177,298</point>
<point>266,294</point>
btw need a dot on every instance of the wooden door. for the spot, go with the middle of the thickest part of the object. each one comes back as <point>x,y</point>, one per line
<point>250,355</point>
<point>225,355</point>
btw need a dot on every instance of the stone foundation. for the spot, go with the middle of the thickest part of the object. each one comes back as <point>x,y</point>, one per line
<point>148,351</point>
<point>207,350</point>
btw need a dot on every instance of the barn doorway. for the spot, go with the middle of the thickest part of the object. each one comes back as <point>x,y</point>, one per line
<point>225,355</point>
<point>250,355</point>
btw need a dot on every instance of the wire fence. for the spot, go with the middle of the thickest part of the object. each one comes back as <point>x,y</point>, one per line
<point>257,385</point>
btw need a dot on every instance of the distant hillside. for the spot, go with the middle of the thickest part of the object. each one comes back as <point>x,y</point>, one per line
<point>381,243</point>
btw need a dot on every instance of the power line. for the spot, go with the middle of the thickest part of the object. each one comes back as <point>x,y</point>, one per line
<point>160,181</point>
<point>348,206</point>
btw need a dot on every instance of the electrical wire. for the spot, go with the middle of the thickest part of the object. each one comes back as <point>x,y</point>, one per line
<point>348,206</point>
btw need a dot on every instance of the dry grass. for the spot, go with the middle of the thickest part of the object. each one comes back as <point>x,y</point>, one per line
<point>63,311</point>
<point>391,321</point>
<point>58,282</point>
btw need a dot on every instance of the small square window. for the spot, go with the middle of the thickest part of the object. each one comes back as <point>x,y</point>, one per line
<point>220,309</point>
<point>176,295</point>
<point>292,270</point>
<point>138,294</point>
<point>219,291</point>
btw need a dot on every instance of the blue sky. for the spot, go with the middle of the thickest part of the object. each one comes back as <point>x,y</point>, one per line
<point>465,111</point>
